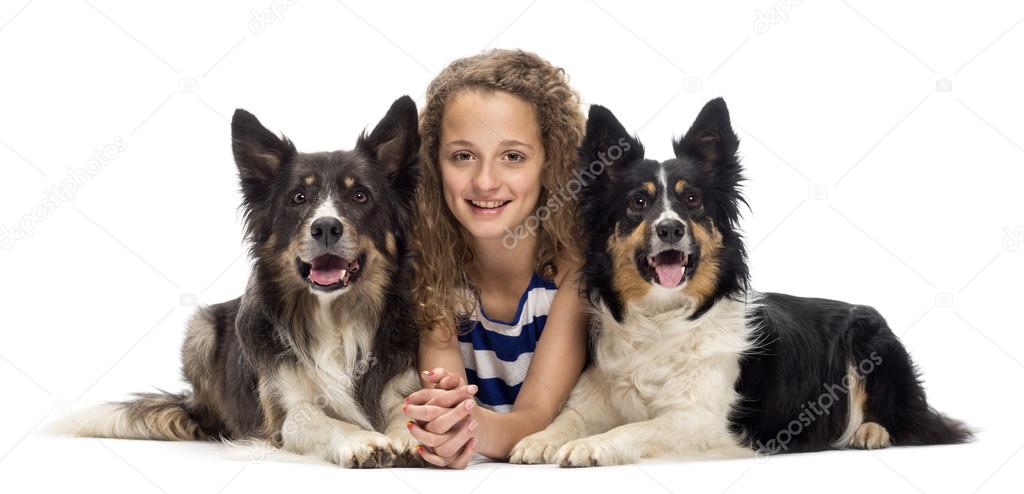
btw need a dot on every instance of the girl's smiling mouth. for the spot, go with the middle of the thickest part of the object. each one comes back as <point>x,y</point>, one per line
<point>487,208</point>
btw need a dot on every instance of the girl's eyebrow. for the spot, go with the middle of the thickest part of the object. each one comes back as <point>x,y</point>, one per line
<point>513,143</point>
<point>505,143</point>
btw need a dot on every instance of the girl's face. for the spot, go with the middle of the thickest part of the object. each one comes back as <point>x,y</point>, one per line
<point>490,156</point>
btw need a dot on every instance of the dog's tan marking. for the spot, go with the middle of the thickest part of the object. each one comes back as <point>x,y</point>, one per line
<point>349,182</point>
<point>705,277</point>
<point>310,179</point>
<point>680,185</point>
<point>628,281</point>
<point>389,244</point>
<point>650,187</point>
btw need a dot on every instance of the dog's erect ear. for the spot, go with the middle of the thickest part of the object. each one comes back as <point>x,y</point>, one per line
<point>259,153</point>
<point>395,141</point>
<point>608,142</point>
<point>710,138</point>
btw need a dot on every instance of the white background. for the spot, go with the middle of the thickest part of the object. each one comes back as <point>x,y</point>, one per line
<point>883,143</point>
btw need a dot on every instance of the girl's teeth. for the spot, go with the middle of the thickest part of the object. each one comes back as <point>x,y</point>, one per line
<point>488,204</point>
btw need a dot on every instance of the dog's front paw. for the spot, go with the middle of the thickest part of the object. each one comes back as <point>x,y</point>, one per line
<point>593,451</point>
<point>539,447</point>
<point>363,449</point>
<point>404,446</point>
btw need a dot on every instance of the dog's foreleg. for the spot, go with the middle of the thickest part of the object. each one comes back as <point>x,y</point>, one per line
<point>675,433</point>
<point>308,430</point>
<point>587,411</point>
<point>402,442</point>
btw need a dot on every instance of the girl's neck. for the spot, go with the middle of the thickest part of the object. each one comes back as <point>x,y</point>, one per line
<point>494,262</point>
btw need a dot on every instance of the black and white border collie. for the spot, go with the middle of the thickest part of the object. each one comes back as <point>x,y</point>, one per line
<point>319,352</point>
<point>686,358</point>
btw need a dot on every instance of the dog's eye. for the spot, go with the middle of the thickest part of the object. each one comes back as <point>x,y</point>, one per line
<point>639,203</point>
<point>298,198</point>
<point>360,196</point>
<point>693,200</point>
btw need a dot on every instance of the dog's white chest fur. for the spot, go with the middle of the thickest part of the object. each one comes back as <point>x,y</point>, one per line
<point>653,364</point>
<point>339,352</point>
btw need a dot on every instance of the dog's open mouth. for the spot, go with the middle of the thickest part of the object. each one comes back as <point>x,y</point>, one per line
<point>329,272</point>
<point>669,267</point>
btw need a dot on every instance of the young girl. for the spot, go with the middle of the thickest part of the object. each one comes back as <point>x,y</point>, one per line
<point>497,266</point>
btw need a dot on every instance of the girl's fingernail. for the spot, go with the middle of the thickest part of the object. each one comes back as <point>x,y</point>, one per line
<point>472,425</point>
<point>427,373</point>
<point>472,388</point>
<point>419,448</point>
<point>469,404</point>
<point>409,424</point>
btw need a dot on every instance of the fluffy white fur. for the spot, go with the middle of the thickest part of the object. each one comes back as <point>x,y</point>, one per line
<point>662,385</point>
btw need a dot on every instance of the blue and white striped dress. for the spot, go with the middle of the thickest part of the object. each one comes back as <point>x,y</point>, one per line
<point>497,354</point>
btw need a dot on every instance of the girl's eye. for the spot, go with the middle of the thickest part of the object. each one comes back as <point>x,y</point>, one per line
<point>360,196</point>
<point>514,157</point>
<point>639,203</point>
<point>693,200</point>
<point>462,156</point>
<point>298,198</point>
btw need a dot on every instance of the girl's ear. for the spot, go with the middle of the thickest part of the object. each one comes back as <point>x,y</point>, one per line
<point>607,141</point>
<point>710,138</point>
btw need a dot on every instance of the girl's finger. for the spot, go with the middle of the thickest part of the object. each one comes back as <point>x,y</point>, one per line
<point>466,455</point>
<point>442,423</point>
<point>453,397</point>
<point>424,413</point>
<point>423,396</point>
<point>432,458</point>
<point>451,381</point>
<point>434,375</point>
<point>463,433</point>
<point>425,437</point>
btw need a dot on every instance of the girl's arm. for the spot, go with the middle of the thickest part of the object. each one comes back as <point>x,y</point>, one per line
<point>439,348</point>
<point>554,369</point>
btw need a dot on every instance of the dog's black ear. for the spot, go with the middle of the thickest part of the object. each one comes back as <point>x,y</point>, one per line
<point>607,142</point>
<point>395,141</point>
<point>710,138</point>
<point>259,153</point>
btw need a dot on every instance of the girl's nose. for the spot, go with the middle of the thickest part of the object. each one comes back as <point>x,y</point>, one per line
<point>486,179</point>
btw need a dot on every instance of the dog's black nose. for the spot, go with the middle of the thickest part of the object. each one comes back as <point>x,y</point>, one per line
<point>327,230</point>
<point>670,231</point>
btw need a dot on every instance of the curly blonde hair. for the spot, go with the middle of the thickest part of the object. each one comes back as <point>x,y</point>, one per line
<point>443,289</point>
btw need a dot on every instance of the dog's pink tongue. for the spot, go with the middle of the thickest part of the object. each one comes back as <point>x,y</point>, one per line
<point>669,274</point>
<point>326,270</point>
<point>325,277</point>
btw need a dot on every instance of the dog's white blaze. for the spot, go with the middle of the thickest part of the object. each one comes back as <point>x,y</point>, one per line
<point>666,213</point>
<point>327,209</point>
